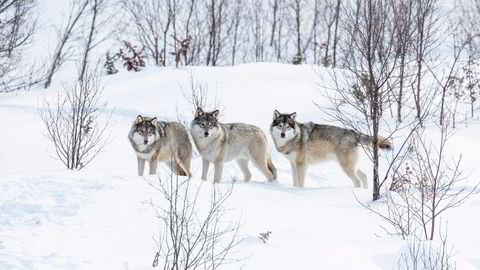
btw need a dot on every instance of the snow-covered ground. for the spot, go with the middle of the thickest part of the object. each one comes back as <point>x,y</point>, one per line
<point>100,218</point>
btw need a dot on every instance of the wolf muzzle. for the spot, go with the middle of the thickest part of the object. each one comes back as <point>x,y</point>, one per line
<point>206,133</point>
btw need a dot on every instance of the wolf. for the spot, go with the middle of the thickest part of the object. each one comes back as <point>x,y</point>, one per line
<point>218,143</point>
<point>157,141</point>
<point>304,144</point>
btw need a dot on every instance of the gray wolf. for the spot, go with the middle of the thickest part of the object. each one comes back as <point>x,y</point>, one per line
<point>304,144</point>
<point>218,143</point>
<point>157,141</point>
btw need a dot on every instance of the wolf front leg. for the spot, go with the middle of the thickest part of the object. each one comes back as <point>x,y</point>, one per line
<point>301,171</point>
<point>205,165</point>
<point>294,174</point>
<point>141,166</point>
<point>218,170</point>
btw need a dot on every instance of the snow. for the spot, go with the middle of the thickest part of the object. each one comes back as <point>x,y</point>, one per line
<point>101,218</point>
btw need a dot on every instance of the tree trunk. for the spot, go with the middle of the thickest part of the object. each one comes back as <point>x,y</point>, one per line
<point>335,36</point>
<point>88,45</point>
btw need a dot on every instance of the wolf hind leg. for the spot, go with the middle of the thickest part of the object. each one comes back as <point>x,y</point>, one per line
<point>348,162</point>
<point>261,164</point>
<point>243,164</point>
<point>351,173</point>
<point>272,168</point>
<point>362,177</point>
<point>182,166</point>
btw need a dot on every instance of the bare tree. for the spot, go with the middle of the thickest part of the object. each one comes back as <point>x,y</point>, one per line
<point>237,15</point>
<point>315,26</point>
<point>335,32</point>
<point>444,83</point>
<point>257,22</point>
<point>427,185</point>
<point>472,78</point>
<point>65,34</point>
<point>278,37</point>
<point>297,8</point>
<point>424,41</point>
<point>197,94</point>
<point>368,81</point>
<point>403,16</point>
<point>73,125</point>
<point>217,12</point>
<point>182,49</point>
<point>17,26</point>
<point>329,20</point>
<point>421,255</point>
<point>194,234</point>
<point>152,20</point>
<point>97,7</point>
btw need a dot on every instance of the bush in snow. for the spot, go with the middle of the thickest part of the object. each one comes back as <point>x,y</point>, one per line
<point>428,184</point>
<point>72,122</point>
<point>465,87</point>
<point>132,57</point>
<point>194,234</point>
<point>110,64</point>
<point>265,236</point>
<point>298,59</point>
<point>18,25</point>
<point>427,256</point>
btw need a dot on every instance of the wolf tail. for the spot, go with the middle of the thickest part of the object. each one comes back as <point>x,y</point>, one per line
<point>180,170</point>
<point>383,143</point>
<point>272,168</point>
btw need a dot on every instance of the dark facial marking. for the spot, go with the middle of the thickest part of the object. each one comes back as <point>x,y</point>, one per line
<point>207,121</point>
<point>145,127</point>
<point>284,120</point>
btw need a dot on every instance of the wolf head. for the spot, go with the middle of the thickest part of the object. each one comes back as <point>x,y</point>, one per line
<point>283,126</point>
<point>205,123</point>
<point>144,131</point>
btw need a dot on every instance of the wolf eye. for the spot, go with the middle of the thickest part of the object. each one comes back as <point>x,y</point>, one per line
<point>289,127</point>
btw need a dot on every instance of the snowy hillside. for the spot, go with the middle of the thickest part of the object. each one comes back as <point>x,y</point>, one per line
<point>101,218</point>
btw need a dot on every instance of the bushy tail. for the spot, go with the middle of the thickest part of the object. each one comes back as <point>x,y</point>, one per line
<point>180,170</point>
<point>177,169</point>
<point>383,143</point>
<point>272,168</point>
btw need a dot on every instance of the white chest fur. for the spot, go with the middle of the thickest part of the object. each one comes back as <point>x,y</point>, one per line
<point>145,156</point>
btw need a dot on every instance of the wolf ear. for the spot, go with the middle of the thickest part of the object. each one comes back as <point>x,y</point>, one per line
<point>139,119</point>
<point>215,114</point>
<point>154,121</point>
<point>276,114</point>
<point>199,112</point>
<point>293,116</point>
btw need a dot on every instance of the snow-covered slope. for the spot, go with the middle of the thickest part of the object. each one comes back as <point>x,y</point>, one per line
<point>100,218</point>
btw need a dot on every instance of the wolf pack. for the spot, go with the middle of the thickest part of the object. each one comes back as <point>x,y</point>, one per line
<point>302,144</point>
